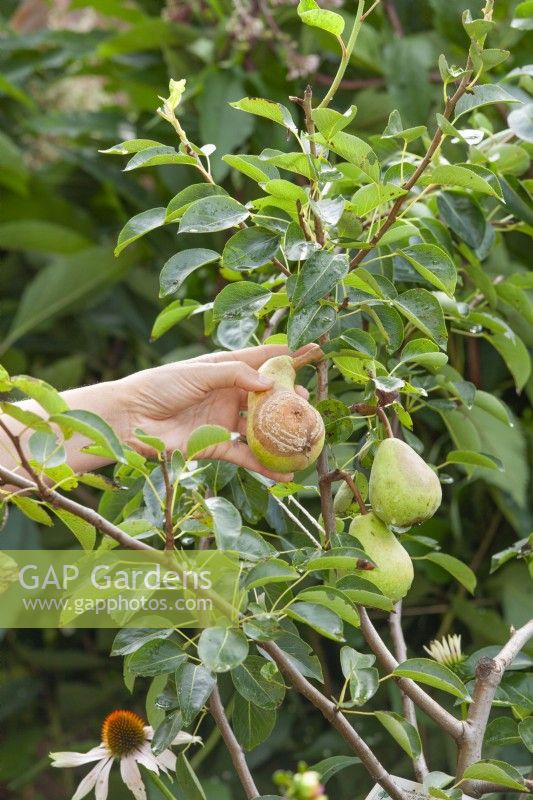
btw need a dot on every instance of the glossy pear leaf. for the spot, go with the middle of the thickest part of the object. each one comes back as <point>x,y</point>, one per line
<point>307,324</point>
<point>157,657</point>
<point>311,14</point>
<point>240,299</point>
<point>194,684</point>
<point>317,277</point>
<point>249,680</point>
<point>464,216</point>
<point>424,311</point>
<point>93,427</point>
<point>172,314</point>
<point>329,767</point>
<point>275,112</point>
<point>178,268</point>
<point>181,201</point>
<point>495,772</point>
<point>250,248</point>
<point>483,95</point>
<point>453,175</point>
<point>209,214</point>
<point>402,731</point>
<point>206,436</point>
<point>434,264</point>
<point>473,458</point>
<point>138,226</point>
<point>222,649</point>
<point>424,670</point>
<point>251,723</point>
<point>157,156</point>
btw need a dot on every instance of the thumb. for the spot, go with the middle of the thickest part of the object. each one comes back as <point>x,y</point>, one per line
<point>231,374</point>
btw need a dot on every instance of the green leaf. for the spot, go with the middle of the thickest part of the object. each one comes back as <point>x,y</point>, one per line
<point>227,522</point>
<point>495,772</point>
<point>93,427</point>
<point>424,670</point>
<point>250,248</point>
<point>337,420</point>
<point>157,156</point>
<point>311,14</point>
<point>363,678</point>
<point>474,458</point>
<point>464,216</point>
<point>434,264</point>
<point>332,765</point>
<point>333,599</point>
<point>460,571</point>
<point>48,398</point>
<point>194,684</point>
<point>84,532</point>
<point>300,655</point>
<point>373,195</point>
<point>402,731</point>
<point>222,649</point>
<point>424,352</point>
<point>523,16</point>
<point>40,236</point>
<point>268,109</point>
<point>209,214</point>
<point>517,298</point>
<point>130,146</point>
<point>307,324</point>
<point>329,122</point>
<point>206,436</point>
<point>273,571</point>
<point>452,175</point>
<point>187,780</point>
<point>32,509</point>
<point>362,592</point>
<point>501,732</point>
<point>252,725</point>
<point>178,268</point>
<point>483,95</point>
<point>338,558</point>
<point>515,355</point>
<point>318,617</point>
<point>157,657</point>
<point>172,314</point>
<point>248,678</point>
<point>424,311</point>
<point>525,729</point>
<point>357,152</point>
<point>181,201</point>
<point>128,640</point>
<point>301,163</point>
<point>138,226</point>
<point>240,299</point>
<point>166,732</point>
<point>253,167</point>
<point>317,277</point>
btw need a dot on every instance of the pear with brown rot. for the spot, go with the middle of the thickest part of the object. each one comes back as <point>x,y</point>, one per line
<point>283,430</point>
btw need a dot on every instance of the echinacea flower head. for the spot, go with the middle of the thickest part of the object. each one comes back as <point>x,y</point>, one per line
<point>446,651</point>
<point>126,739</point>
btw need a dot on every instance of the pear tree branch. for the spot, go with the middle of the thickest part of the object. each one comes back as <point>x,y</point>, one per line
<point>420,698</point>
<point>489,674</point>
<point>235,750</point>
<point>9,478</point>
<point>335,718</point>
<point>400,651</point>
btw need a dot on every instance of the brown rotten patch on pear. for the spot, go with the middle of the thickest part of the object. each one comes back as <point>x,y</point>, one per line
<point>284,431</point>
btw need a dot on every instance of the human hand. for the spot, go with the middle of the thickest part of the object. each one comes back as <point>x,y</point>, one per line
<point>172,400</point>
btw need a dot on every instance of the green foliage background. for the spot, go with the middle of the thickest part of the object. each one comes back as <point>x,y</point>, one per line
<point>71,313</point>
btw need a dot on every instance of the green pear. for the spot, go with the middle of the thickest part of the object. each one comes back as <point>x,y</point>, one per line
<point>394,569</point>
<point>403,490</point>
<point>283,430</point>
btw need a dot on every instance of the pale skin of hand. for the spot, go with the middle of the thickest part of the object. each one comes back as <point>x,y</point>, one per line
<point>170,402</point>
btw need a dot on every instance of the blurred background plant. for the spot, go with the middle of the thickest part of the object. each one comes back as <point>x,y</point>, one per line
<point>79,76</point>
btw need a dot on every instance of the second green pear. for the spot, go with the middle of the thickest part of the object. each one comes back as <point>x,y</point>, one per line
<point>394,573</point>
<point>403,490</point>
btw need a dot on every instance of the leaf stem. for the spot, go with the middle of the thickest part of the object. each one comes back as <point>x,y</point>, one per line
<point>156,780</point>
<point>346,54</point>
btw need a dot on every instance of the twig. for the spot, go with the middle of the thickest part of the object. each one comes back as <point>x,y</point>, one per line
<point>394,18</point>
<point>337,474</point>
<point>385,421</point>
<point>346,55</point>
<point>310,128</point>
<point>419,697</point>
<point>400,651</point>
<point>235,750</point>
<point>88,514</point>
<point>310,356</point>
<point>489,674</point>
<point>424,163</point>
<point>324,484</point>
<point>169,493</point>
<point>336,719</point>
